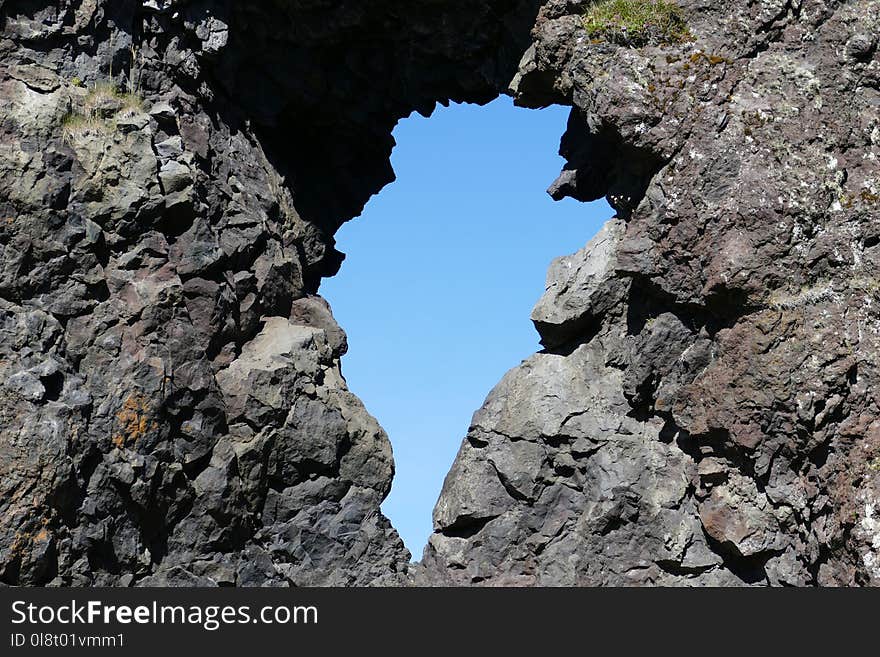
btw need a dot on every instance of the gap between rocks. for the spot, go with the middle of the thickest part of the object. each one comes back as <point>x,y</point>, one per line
<point>443,269</point>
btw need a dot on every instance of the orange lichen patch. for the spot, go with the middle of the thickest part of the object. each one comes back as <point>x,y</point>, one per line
<point>709,58</point>
<point>24,540</point>
<point>134,421</point>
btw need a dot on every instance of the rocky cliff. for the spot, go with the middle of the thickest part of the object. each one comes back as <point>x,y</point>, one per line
<point>172,410</point>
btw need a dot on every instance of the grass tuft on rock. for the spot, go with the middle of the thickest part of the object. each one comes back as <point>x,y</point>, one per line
<point>636,22</point>
<point>107,98</point>
<point>99,110</point>
<point>77,126</point>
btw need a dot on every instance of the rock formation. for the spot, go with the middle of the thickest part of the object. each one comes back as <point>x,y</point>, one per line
<point>705,411</point>
<point>172,410</point>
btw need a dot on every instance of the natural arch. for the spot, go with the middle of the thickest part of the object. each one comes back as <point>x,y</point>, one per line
<point>172,410</point>
<point>442,270</point>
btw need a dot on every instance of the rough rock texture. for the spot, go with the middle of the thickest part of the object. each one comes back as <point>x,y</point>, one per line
<point>172,409</point>
<point>171,404</point>
<point>706,411</point>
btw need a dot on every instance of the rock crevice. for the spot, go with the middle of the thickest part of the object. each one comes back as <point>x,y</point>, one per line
<point>172,409</point>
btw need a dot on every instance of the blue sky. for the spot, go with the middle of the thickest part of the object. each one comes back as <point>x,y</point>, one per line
<point>442,272</point>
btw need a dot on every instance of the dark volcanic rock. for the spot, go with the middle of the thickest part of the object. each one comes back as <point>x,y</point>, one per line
<point>706,412</point>
<point>172,410</point>
<point>171,175</point>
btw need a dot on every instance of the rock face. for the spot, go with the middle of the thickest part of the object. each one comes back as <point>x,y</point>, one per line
<point>171,175</point>
<point>706,411</point>
<point>172,410</point>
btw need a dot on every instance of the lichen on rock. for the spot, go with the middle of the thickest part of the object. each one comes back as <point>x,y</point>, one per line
<point>172,407</point>
<point>731,329</point>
